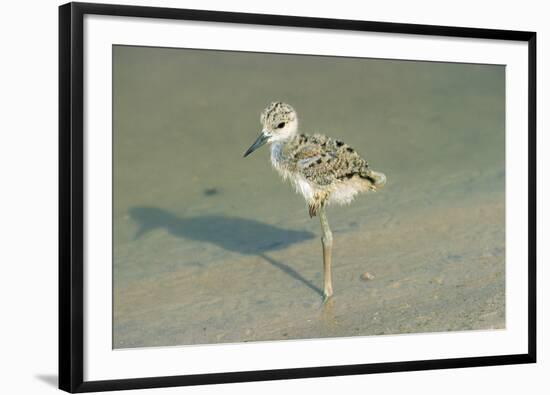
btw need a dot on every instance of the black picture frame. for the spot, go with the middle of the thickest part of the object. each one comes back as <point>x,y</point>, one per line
<point>71,204</point>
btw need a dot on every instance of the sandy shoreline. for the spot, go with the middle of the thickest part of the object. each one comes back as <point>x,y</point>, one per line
<point>417,288</point>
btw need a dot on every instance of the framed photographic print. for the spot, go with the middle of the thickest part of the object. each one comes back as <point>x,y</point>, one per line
<point>253,197</point>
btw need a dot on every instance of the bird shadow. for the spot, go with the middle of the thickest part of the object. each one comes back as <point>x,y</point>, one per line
<point>241,235</point>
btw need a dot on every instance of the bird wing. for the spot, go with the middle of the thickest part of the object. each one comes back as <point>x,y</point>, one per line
<point>324,161</point>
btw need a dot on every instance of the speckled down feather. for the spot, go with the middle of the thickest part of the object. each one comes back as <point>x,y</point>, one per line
<point>323,170</point>
<point>334,171</point>
<point>324,160</point>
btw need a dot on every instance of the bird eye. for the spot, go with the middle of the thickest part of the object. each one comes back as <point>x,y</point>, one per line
<point>281,125</point>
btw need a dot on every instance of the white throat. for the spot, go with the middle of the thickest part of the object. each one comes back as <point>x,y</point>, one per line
<point>278,142</point>
<point>277,153</point>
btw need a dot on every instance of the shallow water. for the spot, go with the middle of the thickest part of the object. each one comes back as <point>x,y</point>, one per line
<point>212,247</point>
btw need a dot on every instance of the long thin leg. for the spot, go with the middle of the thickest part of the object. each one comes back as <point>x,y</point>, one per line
<point>327,254</point>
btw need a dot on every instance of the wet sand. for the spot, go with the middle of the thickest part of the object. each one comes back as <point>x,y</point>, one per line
<point>210,247</point>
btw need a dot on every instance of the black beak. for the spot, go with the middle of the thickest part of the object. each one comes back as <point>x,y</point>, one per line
<point>261,140</point>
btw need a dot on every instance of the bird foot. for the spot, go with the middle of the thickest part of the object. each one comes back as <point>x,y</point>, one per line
<point>327,297</point>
